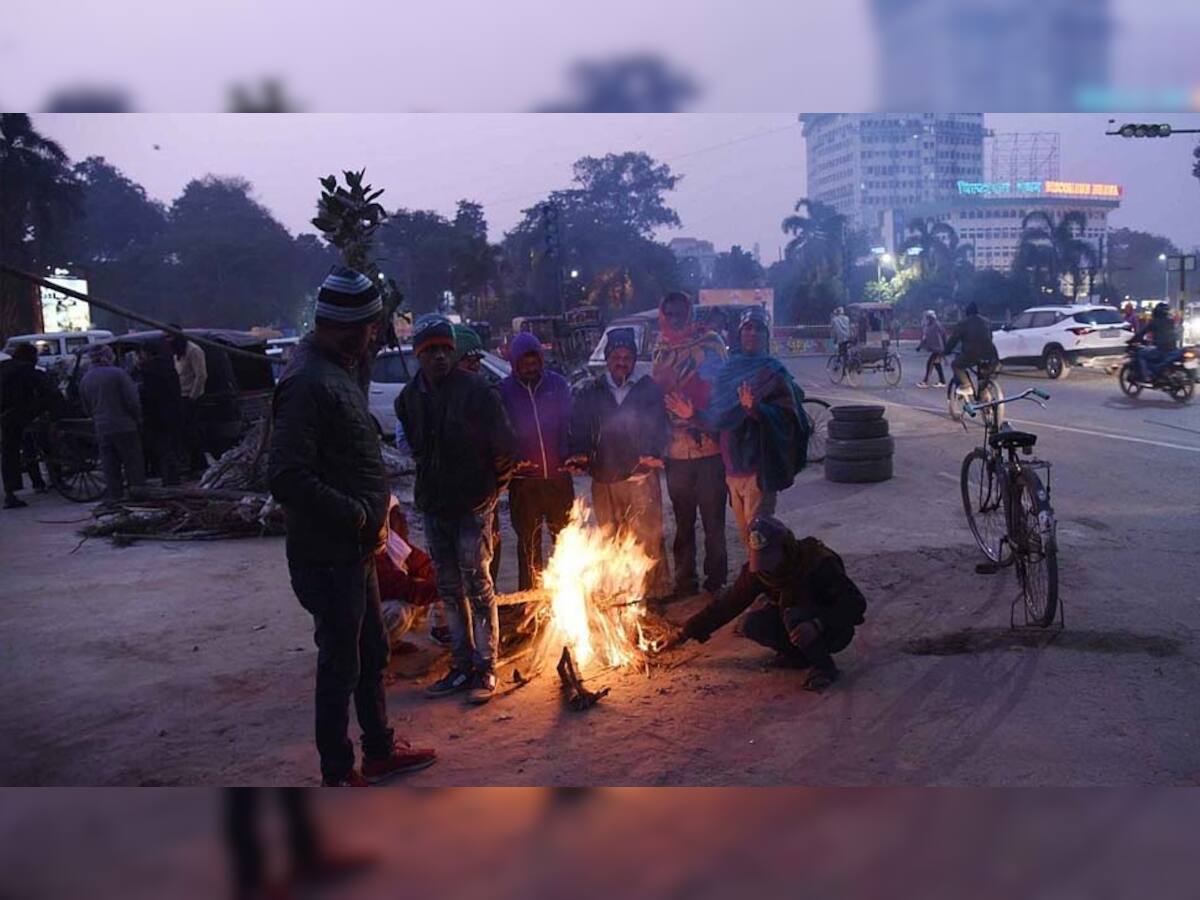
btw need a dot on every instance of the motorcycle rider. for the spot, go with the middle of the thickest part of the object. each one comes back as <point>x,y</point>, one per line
<point>1164,341</point>
<point>974,332</point>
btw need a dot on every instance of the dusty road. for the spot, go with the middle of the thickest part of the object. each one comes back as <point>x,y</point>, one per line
<point>188,664</point>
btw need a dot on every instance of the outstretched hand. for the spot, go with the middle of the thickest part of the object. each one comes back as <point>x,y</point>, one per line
<point>680,405</point>
<point>746,396</point>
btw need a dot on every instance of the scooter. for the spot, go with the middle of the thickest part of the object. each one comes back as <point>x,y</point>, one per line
<point>1176,375</point>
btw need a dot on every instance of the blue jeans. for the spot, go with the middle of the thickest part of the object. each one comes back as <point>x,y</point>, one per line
<point>461,549</point>
<point>1149,359</point>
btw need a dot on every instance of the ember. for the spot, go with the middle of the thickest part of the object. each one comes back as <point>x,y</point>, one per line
<point>596,584</point>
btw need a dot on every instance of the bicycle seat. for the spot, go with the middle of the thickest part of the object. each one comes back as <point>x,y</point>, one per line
<point>1013,440</point>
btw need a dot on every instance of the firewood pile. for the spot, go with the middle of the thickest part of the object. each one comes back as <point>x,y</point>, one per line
<point>185,514</point>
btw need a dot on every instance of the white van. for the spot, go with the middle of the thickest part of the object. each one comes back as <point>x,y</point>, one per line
<point>56,346</point>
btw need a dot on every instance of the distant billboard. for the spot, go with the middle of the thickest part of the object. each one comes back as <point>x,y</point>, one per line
<point>63,313</point>
<point>764,297</point>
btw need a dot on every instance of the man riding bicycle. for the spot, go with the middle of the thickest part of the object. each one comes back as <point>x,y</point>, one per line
<point>1164,341</point>
<point>839,323</point>
<point>974,332</point>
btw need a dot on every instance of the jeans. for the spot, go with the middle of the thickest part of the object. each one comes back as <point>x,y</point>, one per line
<point>352,654</point>
<point>1149,358</point>
<point>163,446</point>
<point>16,453</point>
<point>461,548</point>
<point>121,452</point>
<point>698,485</point>
<point>763,624</point>
<point>748,500</point>
<point>532,501</point>
<point>637,506</point>
<point>934,362</point>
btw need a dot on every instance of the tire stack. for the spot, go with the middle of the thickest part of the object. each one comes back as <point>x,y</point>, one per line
<point>858,449</point>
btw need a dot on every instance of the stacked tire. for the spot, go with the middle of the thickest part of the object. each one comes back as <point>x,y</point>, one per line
<point>858,449</point>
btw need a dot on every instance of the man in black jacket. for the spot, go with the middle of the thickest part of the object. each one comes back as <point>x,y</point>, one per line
<point>325,469</point>
<point>25,393</point>
<point>162,409</point>
<point>463,446</point>
<point>974,334</point>
<point>618,434</point>
<point>805,606</point>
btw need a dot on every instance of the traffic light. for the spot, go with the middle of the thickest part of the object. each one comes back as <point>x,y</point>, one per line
<point>1141,130</point>
<point>550,227</point>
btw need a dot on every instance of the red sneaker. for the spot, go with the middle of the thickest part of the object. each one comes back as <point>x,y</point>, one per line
<point>403,758</point>
<point>351,780</point>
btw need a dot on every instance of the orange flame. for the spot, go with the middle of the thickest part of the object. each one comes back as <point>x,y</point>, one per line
<point>596,581</point>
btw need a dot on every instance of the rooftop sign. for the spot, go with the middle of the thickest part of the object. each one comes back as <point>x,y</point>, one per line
<point>1049,188</point>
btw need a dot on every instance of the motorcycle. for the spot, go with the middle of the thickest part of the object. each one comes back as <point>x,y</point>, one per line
<point>1175,375</point>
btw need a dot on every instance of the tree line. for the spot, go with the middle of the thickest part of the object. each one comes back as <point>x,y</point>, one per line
<point>216,257</point>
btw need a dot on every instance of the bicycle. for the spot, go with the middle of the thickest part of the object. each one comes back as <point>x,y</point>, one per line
<point>1008,508</point>
<point>979,387</point>
<point>843,366</point>
<point>851,365</point>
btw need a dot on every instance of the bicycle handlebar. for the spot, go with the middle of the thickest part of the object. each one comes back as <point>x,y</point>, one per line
<point>1037,393</point>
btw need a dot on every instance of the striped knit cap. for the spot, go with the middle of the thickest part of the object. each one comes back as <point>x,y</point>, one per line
<point>348,297</point>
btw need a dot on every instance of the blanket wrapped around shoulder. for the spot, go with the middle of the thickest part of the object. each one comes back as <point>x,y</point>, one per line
<point>774,438</point>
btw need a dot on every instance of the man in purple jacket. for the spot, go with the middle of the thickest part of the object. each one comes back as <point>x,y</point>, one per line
<point>538,403</point>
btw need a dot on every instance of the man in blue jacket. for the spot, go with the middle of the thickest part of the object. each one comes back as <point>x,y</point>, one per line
<point>538,403</point>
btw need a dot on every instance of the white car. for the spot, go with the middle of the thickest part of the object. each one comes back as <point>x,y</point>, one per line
<point>1054,338</point>
<point>392,371</point>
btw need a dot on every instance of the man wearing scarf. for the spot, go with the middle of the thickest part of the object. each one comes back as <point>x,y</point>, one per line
<point>805,606</point>
<point>763,429</point>
<point>686,363</point>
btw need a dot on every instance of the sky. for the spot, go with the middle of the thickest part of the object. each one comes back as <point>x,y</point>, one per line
<point>741,172</point>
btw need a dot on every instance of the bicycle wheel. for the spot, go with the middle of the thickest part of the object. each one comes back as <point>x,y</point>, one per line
<point>1036,548</point>
<point>982,497</point>
<point>989,393</point>
<point>891,369</point>
<point>834,369</point>
<point>818,415</point>
<point>853,371</point>
<point>956,394</point>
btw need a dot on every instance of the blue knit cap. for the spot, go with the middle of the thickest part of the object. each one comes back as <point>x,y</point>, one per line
<point>348,297</point>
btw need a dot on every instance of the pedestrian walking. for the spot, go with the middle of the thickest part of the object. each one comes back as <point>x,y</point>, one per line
<point>26,393</point>
<point>763,429</point>
<point>326,470</point>
<point>111,399</point>
<point>933,342</point>
<point>462,444</point>
<point>538,403</point>
<point>618,435</point>
<point>686,363</point>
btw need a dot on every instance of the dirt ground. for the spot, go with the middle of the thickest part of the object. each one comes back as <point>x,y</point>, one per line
<point>192,664</point>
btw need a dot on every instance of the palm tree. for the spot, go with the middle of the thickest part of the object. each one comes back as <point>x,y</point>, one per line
<point>819,239</point>
<point>1050,252</point>
<point>39,198</point>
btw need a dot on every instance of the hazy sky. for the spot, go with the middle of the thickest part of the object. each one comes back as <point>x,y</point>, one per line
<point>742,172</point>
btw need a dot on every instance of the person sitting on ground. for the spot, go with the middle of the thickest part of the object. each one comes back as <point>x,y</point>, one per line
<point>933,341</point>
<point>407,581</point>
<point>1164,340</point>
<point>764,432</point>
<point>805,606</point>
<point>974,333</point>
<point>110,398</point>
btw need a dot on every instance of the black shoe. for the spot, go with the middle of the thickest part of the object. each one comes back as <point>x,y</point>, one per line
<point>12,501</point>
<point>453,682</point>
<point>484,688</point>
<point>822,676</point>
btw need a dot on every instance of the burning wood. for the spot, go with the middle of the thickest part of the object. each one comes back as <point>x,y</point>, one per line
<point>577,696</point>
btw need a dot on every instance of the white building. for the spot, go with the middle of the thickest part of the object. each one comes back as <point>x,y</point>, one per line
<point>862,164</point>
<point>988,215</point>
<point>701,251</point>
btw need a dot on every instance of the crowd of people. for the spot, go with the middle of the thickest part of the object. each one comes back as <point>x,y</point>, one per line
<point>146,412</point>
<point>718,428</point>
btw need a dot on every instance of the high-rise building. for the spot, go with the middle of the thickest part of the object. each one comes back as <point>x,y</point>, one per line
<point>864,163</point>
<point>998,55</point>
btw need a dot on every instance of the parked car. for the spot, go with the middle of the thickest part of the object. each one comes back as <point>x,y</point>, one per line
<point>1055,338</point>
<point>393,369</point>
<point>55,347</point>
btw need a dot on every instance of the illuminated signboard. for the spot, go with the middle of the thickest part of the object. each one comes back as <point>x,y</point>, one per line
<point>1051,188</point>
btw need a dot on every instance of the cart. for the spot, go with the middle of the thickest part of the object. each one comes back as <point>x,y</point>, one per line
<point>871,351</point>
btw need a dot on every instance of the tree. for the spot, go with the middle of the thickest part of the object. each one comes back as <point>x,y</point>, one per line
<point>348,218</point>
<point>737,269</point>
<point>231,262</point>
<point>475,264</point>
<point>818,239</point>
<point>1133,264</point>
<point>1051,253</point>
<point>626,190</point>
<point>39,198</point>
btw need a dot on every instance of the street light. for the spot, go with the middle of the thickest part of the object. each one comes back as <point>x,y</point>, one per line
<point>1162,258</point>
<point>574,273</point>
